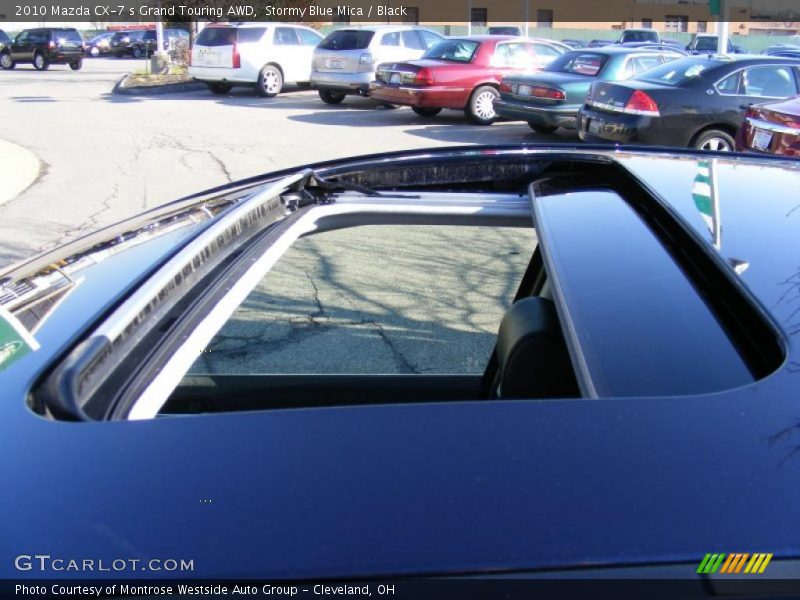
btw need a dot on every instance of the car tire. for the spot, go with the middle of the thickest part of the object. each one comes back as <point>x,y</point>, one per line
<point>94,52</point>
<point>137,52</point>
<point>480,108</point>
<point>76,65</point>
<point>425,111</point>
<point>219,88</point>
<point>714,139</point>
<point>6,62</point>
<point>40,63</point>
<point>270,82</point>
<point>330,97</point>
<point>543,129</point>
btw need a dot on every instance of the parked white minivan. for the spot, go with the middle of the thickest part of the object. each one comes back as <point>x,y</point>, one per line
<point>264,55</point>
<point>345,61</point>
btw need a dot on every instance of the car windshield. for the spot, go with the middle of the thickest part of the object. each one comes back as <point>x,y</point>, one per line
<point>706,43</point>
<point>579,63</point>
<point>217,36</point>
<point>347,39</point>
<point>677,72</point>
<point>460,51</point>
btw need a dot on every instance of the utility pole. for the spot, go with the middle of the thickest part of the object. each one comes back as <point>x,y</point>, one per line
<point>159,29</point>
<point>720,8</point>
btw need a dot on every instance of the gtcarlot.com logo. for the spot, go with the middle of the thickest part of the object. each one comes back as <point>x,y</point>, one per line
<point>47,563</point>
<point>731,564</point>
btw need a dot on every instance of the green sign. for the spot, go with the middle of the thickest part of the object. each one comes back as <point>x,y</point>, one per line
<point>714,7</point>
<point>15,340</point>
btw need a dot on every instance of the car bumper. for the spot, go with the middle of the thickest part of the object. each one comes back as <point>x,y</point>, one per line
<point>594,126</point>
<point>427,97</point>
<point>64,57</point>
<point>219,74</point>
<point>566,116</point>
<point>346,83</point>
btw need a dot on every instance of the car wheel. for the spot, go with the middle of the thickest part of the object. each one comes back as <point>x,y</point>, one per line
<point>137,52</point>
<point>219,88</point>
<point>544,129</point>
<point>270,81</point>
<point>40,63</point>
<point>330,97</point>
<point>714,139</point>
<point>480,108</point>
<point>95,51</point>
<point>6,62</point>
<point>426,112</point>
<point>76,66</point>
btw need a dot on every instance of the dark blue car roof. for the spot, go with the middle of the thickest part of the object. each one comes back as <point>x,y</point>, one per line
<point>441,487</point>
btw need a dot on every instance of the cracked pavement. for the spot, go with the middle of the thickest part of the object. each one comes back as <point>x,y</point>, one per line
<point>423,300</point>
<point>399,300</point>
<point>111,156</point>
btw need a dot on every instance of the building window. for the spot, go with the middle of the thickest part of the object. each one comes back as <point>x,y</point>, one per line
<point>479,16</point>
<point>412,15</point>
<point>647,23</point>
<point>702,26</point>
<point>544,18</point>
<point>677,23</point>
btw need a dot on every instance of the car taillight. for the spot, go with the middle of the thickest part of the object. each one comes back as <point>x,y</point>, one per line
<point>640,103</point>
<point>51,45</point>
<point>505,87</point>
<point>549,93</point>
<point>424,77</point>
<point>237,59</point>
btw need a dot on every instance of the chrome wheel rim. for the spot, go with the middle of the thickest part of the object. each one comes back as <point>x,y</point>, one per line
<point>5,60</point>
<point>484,105</point>
<point>38,61</point>
<point>717,144</point>
<point>94,51</point>
<point>272,81</point>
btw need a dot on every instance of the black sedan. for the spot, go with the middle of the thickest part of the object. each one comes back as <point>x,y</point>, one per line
<point>487,382</point>
<point>697,101</point>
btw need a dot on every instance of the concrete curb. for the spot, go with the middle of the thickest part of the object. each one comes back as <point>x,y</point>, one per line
<point>19,169</point>
<point>156,90</point>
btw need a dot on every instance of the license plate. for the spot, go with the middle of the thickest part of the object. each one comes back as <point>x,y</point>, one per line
<point>334,63</point>
<point>209,57</point>
<point>524,90</point>
<point>761,139</point>
<point>595,126</point>
<point>395,78</point>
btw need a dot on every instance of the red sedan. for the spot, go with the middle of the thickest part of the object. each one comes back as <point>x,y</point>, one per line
<point>461,73</point>
<point>772,128</point>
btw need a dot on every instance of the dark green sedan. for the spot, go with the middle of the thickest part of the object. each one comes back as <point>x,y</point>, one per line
<point>552,97</point>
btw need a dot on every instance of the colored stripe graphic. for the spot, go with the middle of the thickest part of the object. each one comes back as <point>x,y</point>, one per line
<point>710,563</point>
<point>734,563</point>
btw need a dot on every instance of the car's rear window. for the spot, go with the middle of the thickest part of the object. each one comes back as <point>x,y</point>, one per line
<point>460,51</point>
<point>347,39</point>
<point>677,71</point>
<point>579,63</point>
<point>4,38</point>
<point>217,36</point>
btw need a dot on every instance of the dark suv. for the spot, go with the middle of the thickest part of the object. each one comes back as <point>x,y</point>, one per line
<point>44,47</point>
<point>142,42</point>
<point>4,40</point>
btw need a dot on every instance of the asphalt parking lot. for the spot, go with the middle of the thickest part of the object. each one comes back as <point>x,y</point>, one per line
<point>107,156</point>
